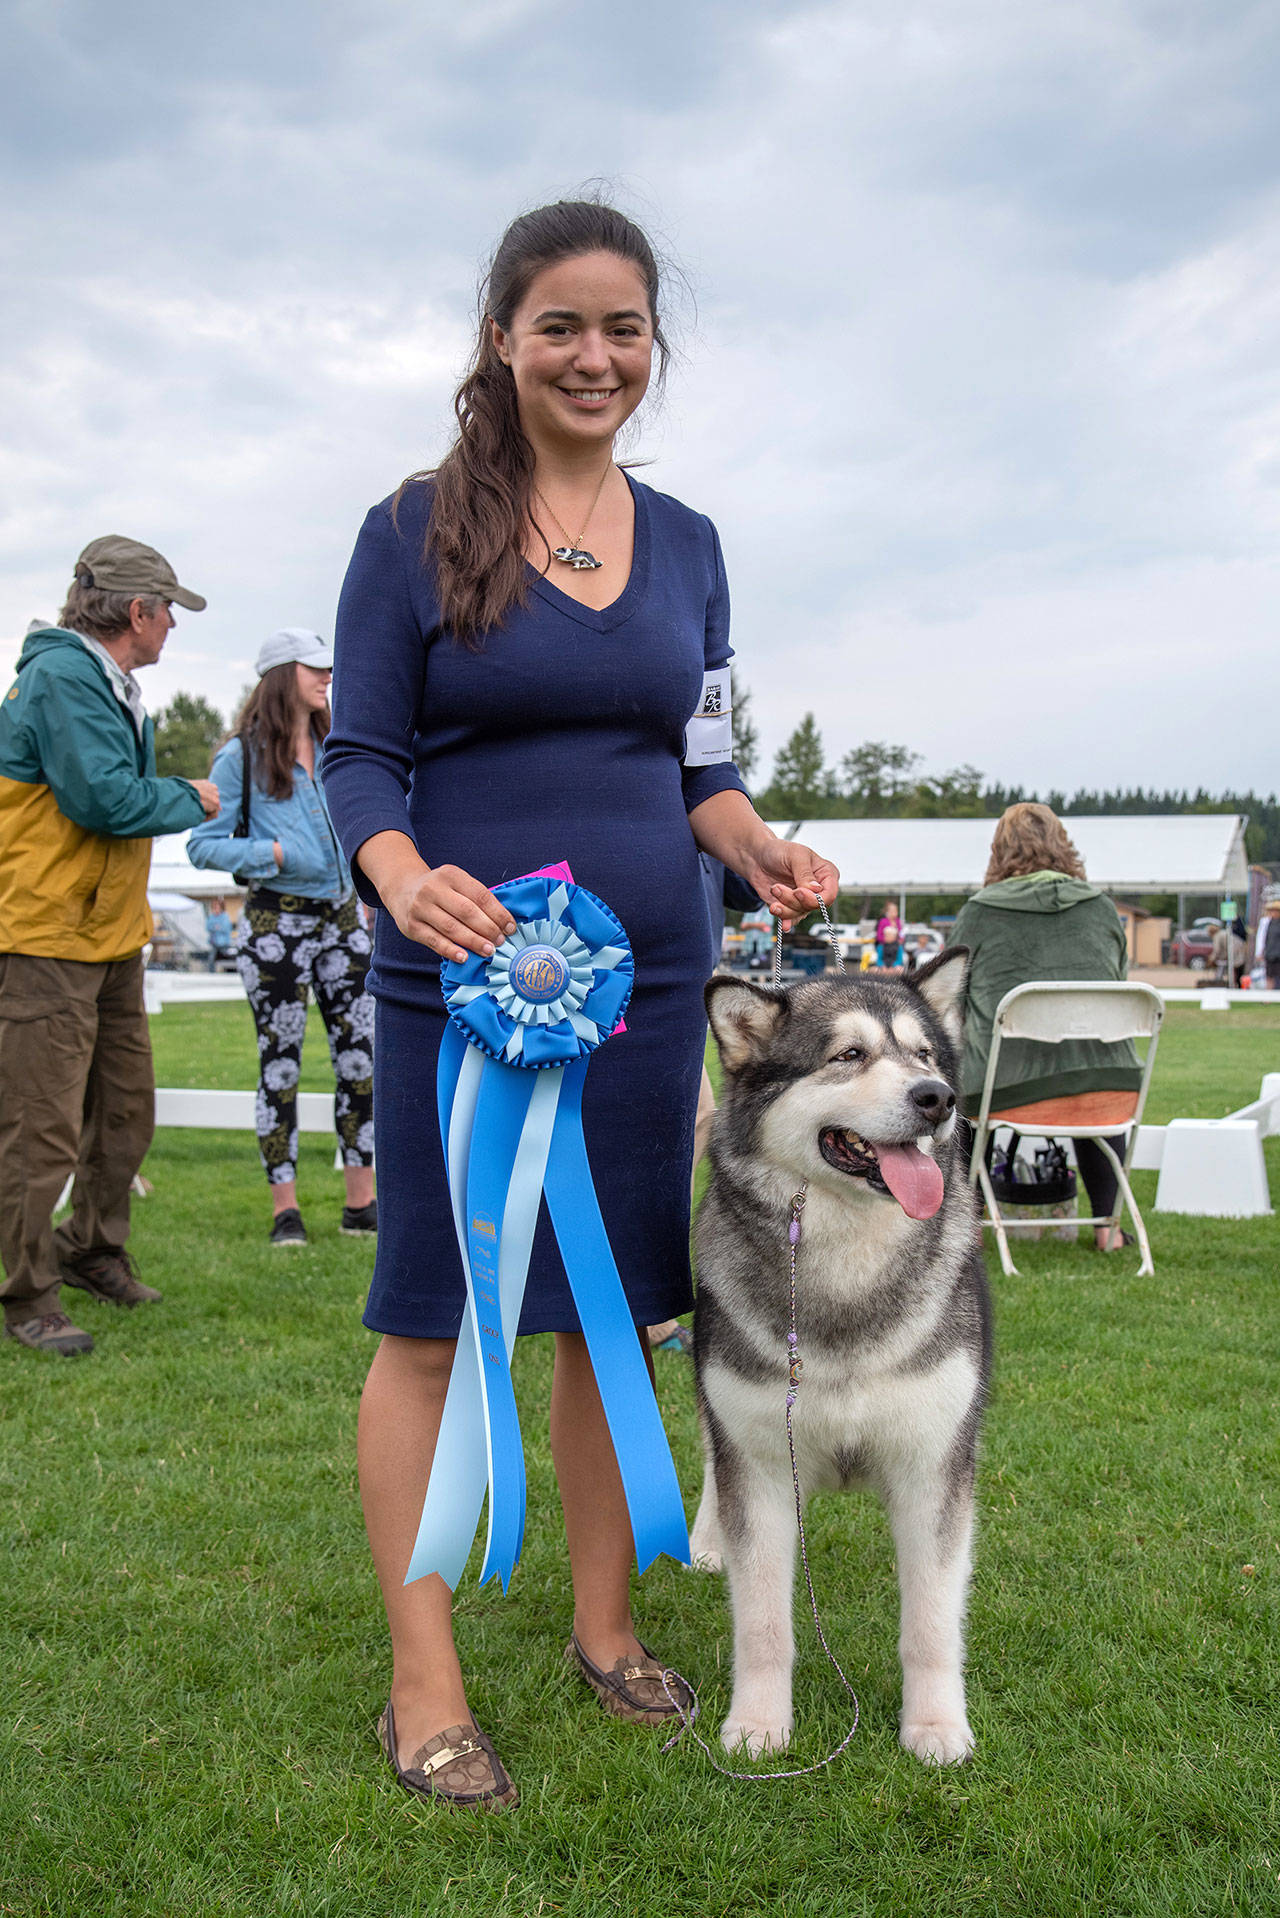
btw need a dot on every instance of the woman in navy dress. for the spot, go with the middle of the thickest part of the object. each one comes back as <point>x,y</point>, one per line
<point>502,705</point>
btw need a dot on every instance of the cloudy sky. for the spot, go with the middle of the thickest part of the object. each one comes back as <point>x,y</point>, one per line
<point>980,375</point>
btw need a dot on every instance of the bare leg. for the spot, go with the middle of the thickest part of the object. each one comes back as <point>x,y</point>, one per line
<point>399,1420</point>
<point>601,1551</point>
<point>284,1197</point>
<point>359,1182</point>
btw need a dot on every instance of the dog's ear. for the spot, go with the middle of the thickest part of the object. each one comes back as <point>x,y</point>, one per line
<point>941,985</point>
<point>744,1017</point>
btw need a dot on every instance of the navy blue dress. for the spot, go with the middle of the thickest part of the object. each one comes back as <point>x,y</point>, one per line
<point>560,739</point>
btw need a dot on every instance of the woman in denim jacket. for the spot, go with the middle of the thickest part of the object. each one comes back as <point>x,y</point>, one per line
<point>301,926</point>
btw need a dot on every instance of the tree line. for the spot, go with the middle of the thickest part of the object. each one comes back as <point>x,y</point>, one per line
<point>878,780</point>
<point>875,780</point>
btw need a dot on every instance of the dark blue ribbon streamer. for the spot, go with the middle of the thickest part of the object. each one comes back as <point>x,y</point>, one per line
<point>626,1391</point>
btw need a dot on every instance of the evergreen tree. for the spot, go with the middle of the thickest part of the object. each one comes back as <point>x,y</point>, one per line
<point>188,733</point>
<point>801,784</point>
<point>875,776</point>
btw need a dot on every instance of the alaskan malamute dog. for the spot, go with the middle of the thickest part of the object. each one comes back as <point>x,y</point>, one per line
<point>846,1083</point>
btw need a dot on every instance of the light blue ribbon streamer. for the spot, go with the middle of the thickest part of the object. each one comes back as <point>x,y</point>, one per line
<point>549,996</point>
<point>451,1509</point>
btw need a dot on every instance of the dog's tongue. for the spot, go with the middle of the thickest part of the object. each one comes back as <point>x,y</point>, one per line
<point>912,1177</point>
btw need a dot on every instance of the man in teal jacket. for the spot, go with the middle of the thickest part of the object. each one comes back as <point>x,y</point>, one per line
<point>79,805</point>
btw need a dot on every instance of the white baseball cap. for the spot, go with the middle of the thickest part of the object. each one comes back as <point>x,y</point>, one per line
<point>294,642</point>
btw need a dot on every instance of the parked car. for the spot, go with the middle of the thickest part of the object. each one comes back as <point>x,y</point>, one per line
<point>1192,947</point>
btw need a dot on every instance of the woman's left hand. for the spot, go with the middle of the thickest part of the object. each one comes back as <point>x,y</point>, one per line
<point>791,879</point>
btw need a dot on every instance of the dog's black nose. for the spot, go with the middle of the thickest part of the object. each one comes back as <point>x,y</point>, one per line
<point>934,1099</point>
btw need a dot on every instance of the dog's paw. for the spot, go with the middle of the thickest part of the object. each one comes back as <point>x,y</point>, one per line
<point>938,1741</point>
<point>746,1736</point>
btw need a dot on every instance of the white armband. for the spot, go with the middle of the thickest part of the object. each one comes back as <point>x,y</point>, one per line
<point>708,738</point>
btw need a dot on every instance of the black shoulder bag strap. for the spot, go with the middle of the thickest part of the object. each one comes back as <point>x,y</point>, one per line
<point>246,794</point>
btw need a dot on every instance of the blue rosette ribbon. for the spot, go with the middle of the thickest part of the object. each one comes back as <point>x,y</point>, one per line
<point>514,1056</point>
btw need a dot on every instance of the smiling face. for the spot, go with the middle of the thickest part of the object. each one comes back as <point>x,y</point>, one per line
<point>580,348</point>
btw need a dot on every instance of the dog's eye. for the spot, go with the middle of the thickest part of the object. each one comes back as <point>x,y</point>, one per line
<point>849,1056</point>
<point>925,1054</point>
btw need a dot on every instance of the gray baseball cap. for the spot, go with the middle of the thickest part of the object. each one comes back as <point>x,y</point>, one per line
<point>120,565</point>
<point>294,642</point>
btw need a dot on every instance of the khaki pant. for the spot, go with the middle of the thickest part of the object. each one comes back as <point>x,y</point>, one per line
<point>77,1095</point>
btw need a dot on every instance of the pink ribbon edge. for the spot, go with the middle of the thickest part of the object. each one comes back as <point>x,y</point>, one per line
<point>561,871</point>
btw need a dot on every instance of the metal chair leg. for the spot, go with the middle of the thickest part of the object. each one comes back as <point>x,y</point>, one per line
<point>997,1221</point>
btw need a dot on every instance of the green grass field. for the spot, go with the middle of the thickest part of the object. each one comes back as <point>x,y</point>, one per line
<point>194,1652</point>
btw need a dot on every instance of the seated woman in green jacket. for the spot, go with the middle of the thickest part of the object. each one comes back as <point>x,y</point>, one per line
<point>1037,917</point>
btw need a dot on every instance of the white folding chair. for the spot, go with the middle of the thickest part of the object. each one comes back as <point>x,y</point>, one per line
<point>1050,1012</point>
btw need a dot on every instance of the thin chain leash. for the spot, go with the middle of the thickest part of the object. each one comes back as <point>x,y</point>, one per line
<point>837,955</point>
<point>795,1367</point>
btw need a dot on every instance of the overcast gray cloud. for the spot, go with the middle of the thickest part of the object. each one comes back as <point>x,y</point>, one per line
<point>982,384</point>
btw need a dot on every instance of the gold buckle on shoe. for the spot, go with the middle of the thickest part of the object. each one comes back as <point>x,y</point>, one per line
<point>447,1756</point>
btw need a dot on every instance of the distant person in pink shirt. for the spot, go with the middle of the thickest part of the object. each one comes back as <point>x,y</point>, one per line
<point>889,948</point>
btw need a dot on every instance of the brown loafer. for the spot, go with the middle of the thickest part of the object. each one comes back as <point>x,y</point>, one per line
<point>457,1767</point>
<point>634,1689</point>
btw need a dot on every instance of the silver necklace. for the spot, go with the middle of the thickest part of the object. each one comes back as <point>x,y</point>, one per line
<point>575,553</point>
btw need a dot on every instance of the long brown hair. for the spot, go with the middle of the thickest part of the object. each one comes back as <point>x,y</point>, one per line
<point>483,485</point>
<point>1031,838</point>
<point>268,728</point>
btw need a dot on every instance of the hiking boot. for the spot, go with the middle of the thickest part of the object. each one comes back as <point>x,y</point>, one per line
<point>288,1228</point>
<point>360,1221</point>
<point>53,1332</point>
<point>108,1276</point>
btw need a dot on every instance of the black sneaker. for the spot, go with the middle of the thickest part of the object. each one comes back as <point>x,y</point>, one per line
<point>288,1228</point>
<point>360,1222</point>
<point>53,1332</point>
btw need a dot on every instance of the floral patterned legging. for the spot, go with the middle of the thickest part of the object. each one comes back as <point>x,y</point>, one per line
<point>286,943</point>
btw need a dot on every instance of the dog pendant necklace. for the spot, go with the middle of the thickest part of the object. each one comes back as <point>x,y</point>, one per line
<point>574,553</point>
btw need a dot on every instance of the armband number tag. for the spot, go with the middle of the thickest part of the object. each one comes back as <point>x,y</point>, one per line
<point>708,738</point>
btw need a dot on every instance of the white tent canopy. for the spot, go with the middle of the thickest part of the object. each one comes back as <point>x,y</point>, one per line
<point>172,871</point>
<point>1167,852</point>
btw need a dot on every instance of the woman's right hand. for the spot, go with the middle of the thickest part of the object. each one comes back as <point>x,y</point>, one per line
<point>446,909</point>
<point>437,906</point>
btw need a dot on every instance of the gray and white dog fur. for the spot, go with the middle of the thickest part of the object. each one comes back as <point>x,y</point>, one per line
<point>892,1314</point>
